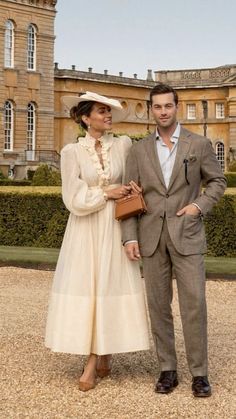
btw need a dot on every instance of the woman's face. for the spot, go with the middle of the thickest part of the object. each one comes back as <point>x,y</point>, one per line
<point>100,118</point>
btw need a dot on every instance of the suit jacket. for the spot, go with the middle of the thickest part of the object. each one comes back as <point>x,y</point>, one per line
<point>143,166</point>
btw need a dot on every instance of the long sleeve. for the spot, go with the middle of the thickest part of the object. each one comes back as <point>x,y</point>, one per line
<point>126,146</point>
<point>129,227</point>
<point>79,199</point>
<point>213,178</point>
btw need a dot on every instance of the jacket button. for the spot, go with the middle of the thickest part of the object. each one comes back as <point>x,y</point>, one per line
<point>167,195</point>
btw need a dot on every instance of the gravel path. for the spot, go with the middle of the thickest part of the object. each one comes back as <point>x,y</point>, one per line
<point>38,384</point>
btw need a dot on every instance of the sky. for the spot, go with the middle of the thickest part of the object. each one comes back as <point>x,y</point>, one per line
<point>135,35</point>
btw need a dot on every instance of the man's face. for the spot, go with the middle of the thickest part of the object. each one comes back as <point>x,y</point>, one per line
<point>164,110</point>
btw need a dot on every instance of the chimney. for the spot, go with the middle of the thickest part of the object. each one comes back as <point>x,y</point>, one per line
<point>135,76</point>
<point>90,69</point>
<point>149,75</point>
<point>73,67</point>
<point>121,74</point>
<point>106,72</point>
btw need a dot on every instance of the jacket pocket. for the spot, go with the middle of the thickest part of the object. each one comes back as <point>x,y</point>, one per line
<point>193,225</point>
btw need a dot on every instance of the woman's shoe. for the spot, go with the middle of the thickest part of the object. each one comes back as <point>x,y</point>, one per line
<point>103,372</point>
<point>83,386</point>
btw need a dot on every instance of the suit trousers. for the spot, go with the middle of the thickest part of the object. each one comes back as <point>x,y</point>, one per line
<point>190,277</point>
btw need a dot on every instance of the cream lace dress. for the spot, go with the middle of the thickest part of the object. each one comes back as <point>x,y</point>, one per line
<point>97,302</point>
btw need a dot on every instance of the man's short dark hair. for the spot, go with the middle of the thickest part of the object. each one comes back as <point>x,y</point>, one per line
<point>162,88</point>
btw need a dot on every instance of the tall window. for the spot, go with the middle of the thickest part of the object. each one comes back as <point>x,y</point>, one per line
<point>8,125</point>
<point>220,154</point>
<point>30,131</point>
<point>9,44</point>
<point>220,110</point>
<point>31,50</point>
<point>191,111</point>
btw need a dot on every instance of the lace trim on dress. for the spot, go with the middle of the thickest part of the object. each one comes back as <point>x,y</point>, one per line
<point>104,173</point>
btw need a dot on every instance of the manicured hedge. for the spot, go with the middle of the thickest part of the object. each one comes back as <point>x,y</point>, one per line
<point>231,179</point>
<point>220,227</point>
<point>11,182</point>
<point>29,218</point>
<point>32,219</point>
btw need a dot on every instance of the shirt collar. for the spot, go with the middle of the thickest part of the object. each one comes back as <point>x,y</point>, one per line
<point>175,135</point>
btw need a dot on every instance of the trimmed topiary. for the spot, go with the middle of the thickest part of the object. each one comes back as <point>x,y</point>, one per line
<point>232,166</point>
<point>45,176</point>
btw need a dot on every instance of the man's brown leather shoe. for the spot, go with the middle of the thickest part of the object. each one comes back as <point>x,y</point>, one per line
<point>201,387</point>
<point>167,382</point>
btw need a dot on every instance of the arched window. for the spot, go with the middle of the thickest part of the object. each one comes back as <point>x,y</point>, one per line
<point>8,125</point>
<point>31,131</point>
<point>9,44</point>
<point>220,154</point>
<point>31,49</point>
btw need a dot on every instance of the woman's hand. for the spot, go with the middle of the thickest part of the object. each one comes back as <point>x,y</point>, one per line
<point>117,193</point>
<point>135,187</point>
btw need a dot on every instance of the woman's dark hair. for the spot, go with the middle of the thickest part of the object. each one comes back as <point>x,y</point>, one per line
<point>83,108</point>
<point>161,88</point>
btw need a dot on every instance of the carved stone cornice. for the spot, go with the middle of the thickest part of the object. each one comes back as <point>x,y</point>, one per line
<point>46,4</point>
<point>199,78</point>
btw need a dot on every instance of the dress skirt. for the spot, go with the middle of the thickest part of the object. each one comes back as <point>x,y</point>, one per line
<point>97,302</point>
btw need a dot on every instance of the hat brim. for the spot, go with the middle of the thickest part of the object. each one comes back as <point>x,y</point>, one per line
<point>117,111</point>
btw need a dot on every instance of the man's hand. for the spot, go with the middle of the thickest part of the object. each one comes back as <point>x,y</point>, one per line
<point>135,187</point>
<point>189,210</point>
<point>132,251</point>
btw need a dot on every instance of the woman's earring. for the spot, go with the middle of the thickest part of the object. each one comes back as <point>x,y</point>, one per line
<point>89,126</point>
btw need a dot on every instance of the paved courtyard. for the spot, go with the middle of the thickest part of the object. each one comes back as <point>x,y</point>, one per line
<point>38,384</point>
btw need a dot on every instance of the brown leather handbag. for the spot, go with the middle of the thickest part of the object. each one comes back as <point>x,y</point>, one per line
<point>130,206</point>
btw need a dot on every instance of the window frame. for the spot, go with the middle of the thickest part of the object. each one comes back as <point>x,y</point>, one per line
<point>9,44</point>
<point>8,125</point>
<point>220,153</point>
<point>31,47</point>
<point>31,131</point>
<point>218,112</point>
<point>189,110</point>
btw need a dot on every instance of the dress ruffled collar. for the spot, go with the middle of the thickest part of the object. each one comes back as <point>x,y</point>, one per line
<point>88,142</point>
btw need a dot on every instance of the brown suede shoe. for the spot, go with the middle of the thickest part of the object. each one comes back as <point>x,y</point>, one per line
<point>201,387</point>
<point>167,382</point>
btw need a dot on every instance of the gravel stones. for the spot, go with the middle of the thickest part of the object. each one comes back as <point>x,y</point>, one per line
<point>39,384</point>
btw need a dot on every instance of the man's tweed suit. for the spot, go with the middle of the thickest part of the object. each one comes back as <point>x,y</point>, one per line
<point>169,241</point>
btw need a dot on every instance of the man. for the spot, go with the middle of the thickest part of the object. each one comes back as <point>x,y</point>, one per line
<point>170,166</point>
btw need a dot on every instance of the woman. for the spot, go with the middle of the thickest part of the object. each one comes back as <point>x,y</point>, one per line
<point>97,304</point>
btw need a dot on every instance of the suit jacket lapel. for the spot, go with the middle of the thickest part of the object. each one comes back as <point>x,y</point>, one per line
<point>182,150</point>
<point>151,149</point>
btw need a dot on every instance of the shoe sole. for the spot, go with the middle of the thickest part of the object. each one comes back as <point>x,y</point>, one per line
<point>175,384</point>
<point>202,394</point>
<point>102,373</point>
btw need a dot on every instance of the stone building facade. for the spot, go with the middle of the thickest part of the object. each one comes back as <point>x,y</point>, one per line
<point>35,125</point>
<point>207,103</point>
<point>26,84</point>
<point>133,94</point>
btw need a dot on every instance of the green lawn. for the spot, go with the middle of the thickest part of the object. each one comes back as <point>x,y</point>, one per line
<point>57,189</point>
<point>28,255</point>
<point>221,265</point>
<point>33,256</point>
